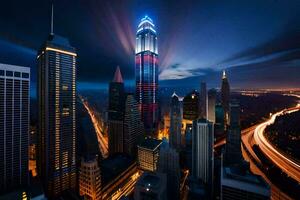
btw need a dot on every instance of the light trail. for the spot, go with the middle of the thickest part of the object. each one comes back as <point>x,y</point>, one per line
<point>102,140</point>
<point>128,187</point>
<point>285,163</point>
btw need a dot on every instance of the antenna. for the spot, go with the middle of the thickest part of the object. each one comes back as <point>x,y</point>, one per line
<point>52,20</point>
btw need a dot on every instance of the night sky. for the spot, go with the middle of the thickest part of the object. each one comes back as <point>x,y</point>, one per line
<point>258,42</point>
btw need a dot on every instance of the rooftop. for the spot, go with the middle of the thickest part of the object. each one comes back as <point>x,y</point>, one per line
<point>150,143</point>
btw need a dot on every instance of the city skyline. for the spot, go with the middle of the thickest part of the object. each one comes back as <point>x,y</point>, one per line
<point>173,123</point>
<point>221,39</point>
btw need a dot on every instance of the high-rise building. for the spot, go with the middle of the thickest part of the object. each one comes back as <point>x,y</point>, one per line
<point>238,183</point>
<point>151,186</point>
<point>233,153</point>
<point>212,96</point>
<point>90,179</point>
<point>225,97</point>
<point>176,122</point>
<point>57,115</point>
<point>219,118</point>
<point>191,106</point>
<point>148,153</point>
<point>133,126</point>
<point>202,150</point>
<point>168,164</point>
<point>116,113</point>
<point>146,73</point>
<point>203,101</point>
<point>14,126</point>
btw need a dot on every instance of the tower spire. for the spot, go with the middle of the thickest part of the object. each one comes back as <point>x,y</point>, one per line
<point>224,74</point>
<point>52,20</point>
<point>118,76</point>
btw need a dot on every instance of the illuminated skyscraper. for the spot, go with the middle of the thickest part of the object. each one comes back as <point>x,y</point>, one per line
<point>176,122</point>
<point>116,113</point>
<point>146,73</point>
<point>90,179</point>
<point>57,111</point>
<point>203,101</point>
<point>225,97</point>
<point>14,126</point>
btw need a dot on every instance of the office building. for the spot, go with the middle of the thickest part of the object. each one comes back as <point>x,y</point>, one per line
<point>14,126</point>
<point>176,122</point>
<point>57,115</point>
<point>133,126</point>
<point>225,97</point>
<point>148,153</point>
<point>202,150</point>
<point>151,186</point>
<point>233,153</point>
<point>90,179</point>
<point>238,183</point>
<point>116,113</point>
<point>191,106</point>
<point>211,96</point>
<point>169,164</point>
<point>146,73</point>
<point>203,101</point>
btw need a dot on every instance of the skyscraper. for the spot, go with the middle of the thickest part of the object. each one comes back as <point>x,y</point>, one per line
<point>212,95</point>
<point>148,153</point>
<point>176,122</point>
<point>233,153</point>
<point>90,179</point>
<point>57,111</point>
<point>133,126</point>
<point>14,125</point>
<point>225,97</point>
<point>146,73</point>
<point>116,113</point>
<point>203,101</point>
<point>202,150</point>
<point>191,106</point>
<point>168,163</point>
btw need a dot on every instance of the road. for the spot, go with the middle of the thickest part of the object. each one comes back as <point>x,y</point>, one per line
<point>102,140</point>
<point>128,187</point>
<point>284,162</point>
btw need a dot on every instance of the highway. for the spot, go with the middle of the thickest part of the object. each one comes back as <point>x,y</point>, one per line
<point>102,140</point>
<point>284,162</point>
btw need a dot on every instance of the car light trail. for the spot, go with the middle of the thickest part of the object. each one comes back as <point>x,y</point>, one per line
<point>102,140</point>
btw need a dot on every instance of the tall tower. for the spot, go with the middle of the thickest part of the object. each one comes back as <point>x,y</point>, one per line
<point>14,126</point>
<point>202,150</point>
<point>211,102</point>
<point>176,122</point>
<point>233,153</point>
<point>146,73</point>
<point>203,101</point>
<point>133,126</point>
<point>57,114</point>
<point>116,113</point>
<point>225,97</point>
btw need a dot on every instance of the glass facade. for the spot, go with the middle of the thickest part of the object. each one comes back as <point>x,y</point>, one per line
<point>56,100</point>
<point>14,126</point>
<point>146,73</point>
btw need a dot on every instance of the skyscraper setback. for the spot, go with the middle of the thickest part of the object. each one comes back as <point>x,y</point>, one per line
<point>146,73</point>
<point>14,126</point>
<point>116,113</point>
<point>57,115</point>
